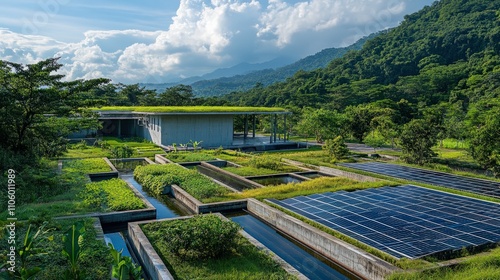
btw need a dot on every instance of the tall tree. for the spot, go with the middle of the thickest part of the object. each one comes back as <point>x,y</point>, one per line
<point>35,99</point>
<point>416,140</point>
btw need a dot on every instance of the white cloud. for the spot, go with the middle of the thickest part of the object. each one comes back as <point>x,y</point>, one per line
<point>209,34</point>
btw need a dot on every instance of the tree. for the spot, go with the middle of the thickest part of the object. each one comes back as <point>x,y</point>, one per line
<point>416,140</point>
<point>336,148</point>
<point>485,142</point>
<point>321,123</point>
<point>359,119</point>
<point>34,98</point>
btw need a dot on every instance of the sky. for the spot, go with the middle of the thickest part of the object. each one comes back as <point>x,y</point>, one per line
<point>158,41</point>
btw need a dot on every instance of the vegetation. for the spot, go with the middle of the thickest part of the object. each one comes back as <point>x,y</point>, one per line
<point>416,140</point>
<point>189,156</point>
<point>86,166</point>
<point>46,250</point>
<point>242,260</point>
<point>317,185</point>
<point>336,148</point>
<point>474,267</point>
<point>189,109</point>
<point>123,267</point>
<point>112,194</point>
<point>113,147</point>
<point>154,178</point>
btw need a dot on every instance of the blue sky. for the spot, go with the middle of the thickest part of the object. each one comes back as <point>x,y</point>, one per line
<point>163,41</point>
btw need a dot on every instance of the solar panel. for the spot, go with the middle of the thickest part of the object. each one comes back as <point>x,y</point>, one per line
<point>480,186</point>
<point>414,223</point>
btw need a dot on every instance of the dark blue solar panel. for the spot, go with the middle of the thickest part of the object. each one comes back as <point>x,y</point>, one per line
<point>408,231</point>
<point>480,186</point>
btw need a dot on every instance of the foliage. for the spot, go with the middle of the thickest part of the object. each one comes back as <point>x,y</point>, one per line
<point>123,267</point>
<point>121,151</point>
<point>320,123</point>
<point>72,240</point>
<point>189,157</point>
<point>485,143</point>
<point>199,237</point>
<point>30,249</point>
<point>154,178</point>
<point>416,140</point>
<point>245,261</point>
<point>374,140</point>
<point>86,166</point>
<point>114,194</point>
<point>336,148</point>
<point>265,161</point>
<point>29,94</point>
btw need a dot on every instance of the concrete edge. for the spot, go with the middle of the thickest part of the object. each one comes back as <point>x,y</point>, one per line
<point>161,159</point>
<point>113,168</point>
<point>348,256</point>
<point>149,258</point>
<point>153,264</point>
<point>252,184</point>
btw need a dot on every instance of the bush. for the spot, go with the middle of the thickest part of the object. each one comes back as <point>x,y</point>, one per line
<point>189,157</point>
<point>200,237</point>
<point>154,178</point>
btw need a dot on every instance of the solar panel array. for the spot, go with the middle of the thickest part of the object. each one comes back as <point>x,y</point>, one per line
<point>484,187</point>
<point>405,221</point>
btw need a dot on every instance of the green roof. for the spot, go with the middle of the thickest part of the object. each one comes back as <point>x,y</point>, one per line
<point>188,109</point>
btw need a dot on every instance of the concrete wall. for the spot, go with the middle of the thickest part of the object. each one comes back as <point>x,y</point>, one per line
<point>153,131</point>
<point>350,257</point>
<point>347,174</point>
<point>213,130</point>
<point>199,208</point>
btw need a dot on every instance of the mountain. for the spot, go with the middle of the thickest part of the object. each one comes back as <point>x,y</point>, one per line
<point>447,52</point>
<point>246,75</point>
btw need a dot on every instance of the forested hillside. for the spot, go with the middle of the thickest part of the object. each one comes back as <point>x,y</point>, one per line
<point>225,85</point>
<point>448,50</point>
<point>437,73</point>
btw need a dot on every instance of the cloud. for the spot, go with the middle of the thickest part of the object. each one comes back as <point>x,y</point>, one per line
<point>205,35</point>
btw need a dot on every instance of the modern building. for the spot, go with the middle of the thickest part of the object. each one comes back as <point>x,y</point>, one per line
<point>213,126</point>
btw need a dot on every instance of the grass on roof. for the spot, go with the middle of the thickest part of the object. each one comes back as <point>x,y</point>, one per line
<point>190,109</point>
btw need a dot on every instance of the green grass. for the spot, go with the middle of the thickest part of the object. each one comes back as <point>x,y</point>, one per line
<point>188,109</point>
<point>317,185</point>
<point>154,178</point>
<point>110,195</point>
<point>478,267</point>
<point>189,156</point>
<point>244,262</point>
<point>86,166</point>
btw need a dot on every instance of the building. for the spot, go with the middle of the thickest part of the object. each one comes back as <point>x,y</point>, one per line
<point>213,126</point>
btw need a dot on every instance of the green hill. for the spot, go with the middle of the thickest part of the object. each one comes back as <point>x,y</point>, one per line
<point>447,52</point>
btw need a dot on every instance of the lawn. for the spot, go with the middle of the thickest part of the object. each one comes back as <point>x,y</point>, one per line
<point>188,109</point>
<point>188,156</point>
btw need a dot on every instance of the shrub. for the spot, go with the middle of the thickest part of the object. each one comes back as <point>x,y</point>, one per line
<point>189,157</point>
<point>200,237</point>
<point>154,178</point>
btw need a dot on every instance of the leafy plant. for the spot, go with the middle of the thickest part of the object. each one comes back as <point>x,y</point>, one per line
<point>122,151</point>
<point>195,144</point>
<point>72,249</point>
<point>123,267</point>
<point>29,249</point>
<point>265,161</point>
